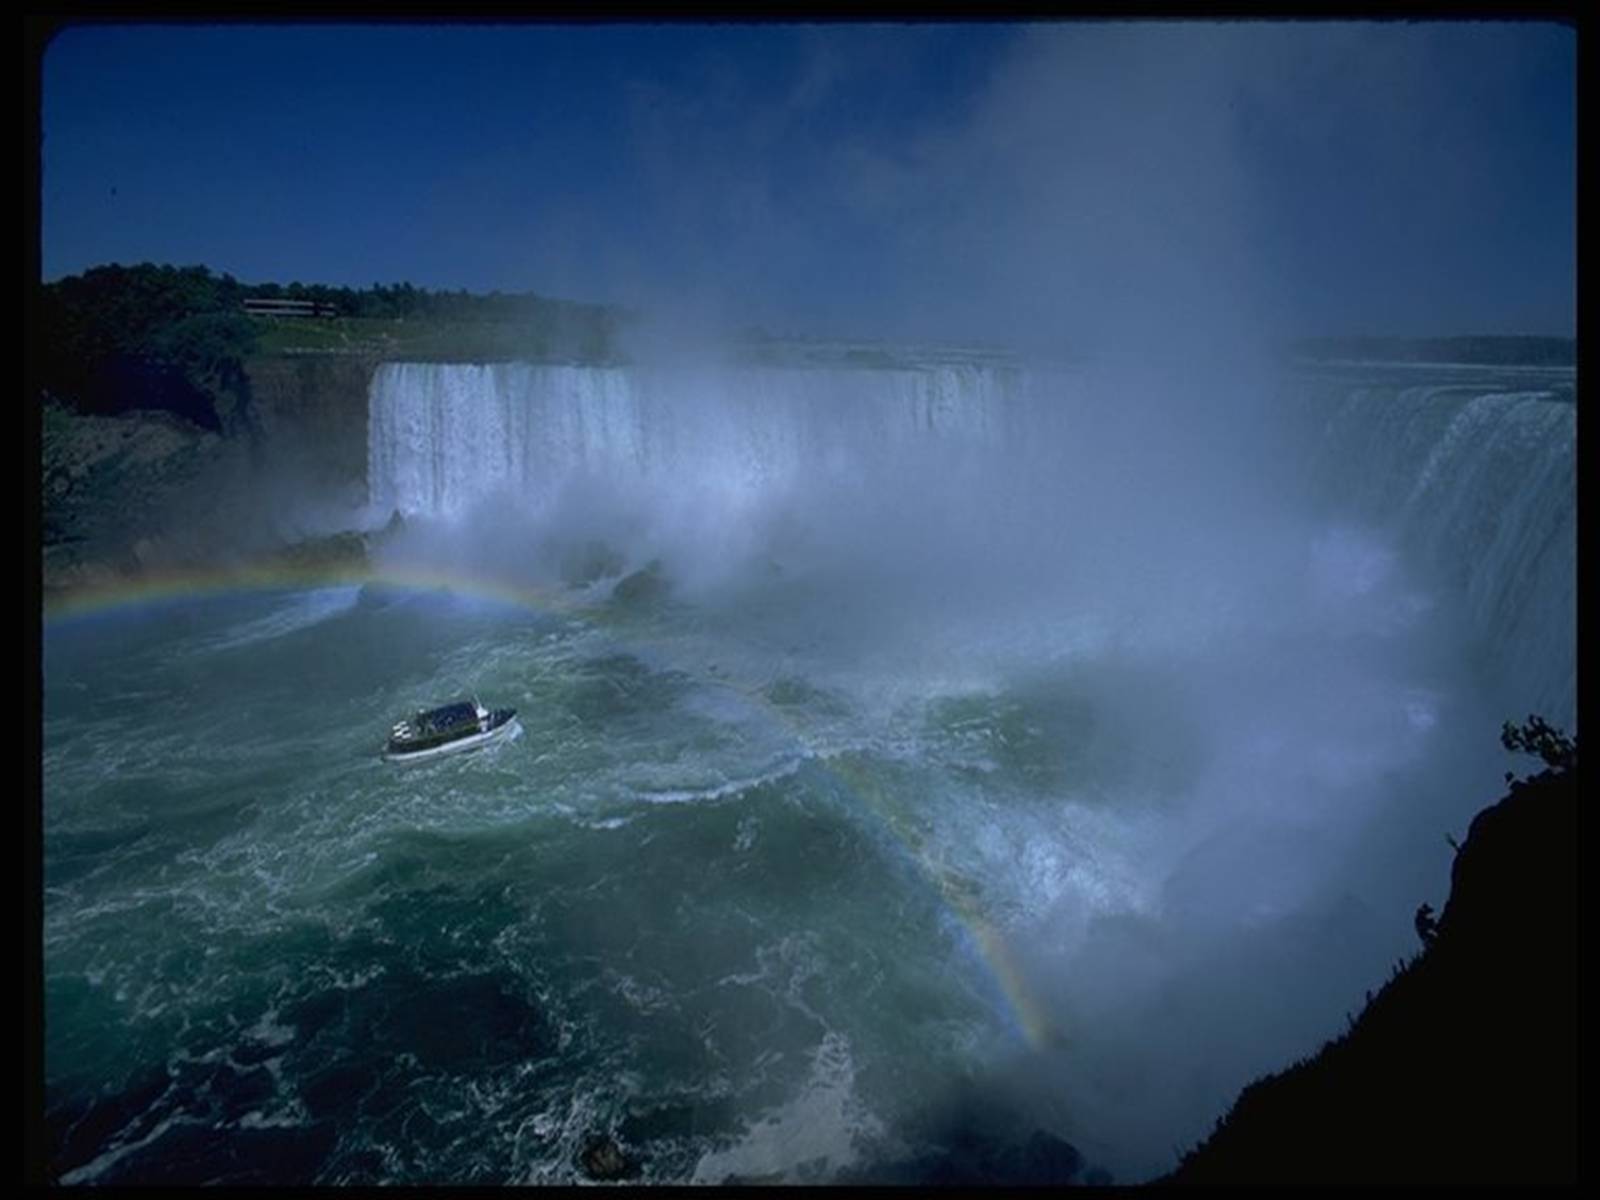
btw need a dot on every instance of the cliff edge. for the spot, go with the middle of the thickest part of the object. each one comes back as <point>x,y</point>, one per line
<point>1464,1067</point>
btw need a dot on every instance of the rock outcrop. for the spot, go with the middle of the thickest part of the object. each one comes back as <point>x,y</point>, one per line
<point>1463,1069</point>
<point>602,1159</point>
<point>147,491</point>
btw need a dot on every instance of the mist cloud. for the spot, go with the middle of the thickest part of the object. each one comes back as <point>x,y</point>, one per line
<point>1111,188</point>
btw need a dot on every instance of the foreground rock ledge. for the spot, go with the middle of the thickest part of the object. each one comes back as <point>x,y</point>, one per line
<point>1464,1068</point>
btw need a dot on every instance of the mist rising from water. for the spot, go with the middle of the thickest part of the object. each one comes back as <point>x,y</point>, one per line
<point>1290,707</point>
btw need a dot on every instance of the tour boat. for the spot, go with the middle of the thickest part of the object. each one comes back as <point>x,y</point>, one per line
<point>464,725</point>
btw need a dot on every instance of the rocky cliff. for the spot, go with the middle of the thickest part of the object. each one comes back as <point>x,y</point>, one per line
<point>310,418</point>
<point>146,490</point>
<point>1464,1067</point>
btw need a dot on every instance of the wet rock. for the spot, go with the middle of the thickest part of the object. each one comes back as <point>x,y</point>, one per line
<point>602,1159</point>
<point>146,552</point>
<point>66,570</point>
<point>644,586</point>
<point>770,1179</point>
<point>393,528</point>
<point>582,565</point>
<point>1464,1068</point>
<point>348,549</point>
<point>1047,1159</point>
<point>80,1128</point>
<point>980,1156</point>
<point>147,490</point>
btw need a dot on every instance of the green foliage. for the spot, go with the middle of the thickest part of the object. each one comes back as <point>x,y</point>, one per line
<point>117,338</point>
<point>209,350</point>
<point>580,325</point>
<point>210,343</point>
<point>1538,738</point>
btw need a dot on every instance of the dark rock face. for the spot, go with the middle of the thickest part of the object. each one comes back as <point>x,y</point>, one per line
<point>644,586</point>
<point>602,1159</point>
<point>978,1157</point>
<point>973,1135</point>
<point>311,422</point>
<point>146,491</point>
<point>1464,1068</point>
<point>336,550</point>
<point>115,488</point>
<point>584,564</point>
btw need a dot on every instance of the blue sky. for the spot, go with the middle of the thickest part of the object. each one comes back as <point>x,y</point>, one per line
<point>1048,184</point>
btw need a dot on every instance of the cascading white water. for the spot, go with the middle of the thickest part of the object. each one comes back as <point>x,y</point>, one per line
<point>1093,873</point>
<point>1478,487</point>
<point>1475,484</point>
<point>443,436</point>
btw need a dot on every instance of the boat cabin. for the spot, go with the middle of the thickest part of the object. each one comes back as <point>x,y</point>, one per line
<point>435,726</point>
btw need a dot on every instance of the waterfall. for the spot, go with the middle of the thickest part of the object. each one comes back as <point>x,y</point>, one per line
<point>1477,485</point>
<point>441,437</point>
<point>1472,479</point>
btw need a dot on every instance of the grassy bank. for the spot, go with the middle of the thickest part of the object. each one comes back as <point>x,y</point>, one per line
<point>432,339</point>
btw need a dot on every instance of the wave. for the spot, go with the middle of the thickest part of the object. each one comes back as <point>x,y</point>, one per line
<point>303,611</point>
<point>809,1138</point>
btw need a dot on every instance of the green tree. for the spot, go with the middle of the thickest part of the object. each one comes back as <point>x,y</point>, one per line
<point>1542,740</point>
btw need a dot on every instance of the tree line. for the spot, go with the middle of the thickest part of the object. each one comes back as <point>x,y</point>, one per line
<point>116,338</point>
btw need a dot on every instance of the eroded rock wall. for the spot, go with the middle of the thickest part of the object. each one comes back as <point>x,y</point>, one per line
<point>147,490</point>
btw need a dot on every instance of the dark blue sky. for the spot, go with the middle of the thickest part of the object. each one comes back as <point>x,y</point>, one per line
<point>1052,183</point>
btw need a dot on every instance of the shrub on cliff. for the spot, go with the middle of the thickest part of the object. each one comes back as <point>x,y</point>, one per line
<point>1540,739</point>
<point>208,351</point>
<point>1464,1067</point>
<point>118,338</point>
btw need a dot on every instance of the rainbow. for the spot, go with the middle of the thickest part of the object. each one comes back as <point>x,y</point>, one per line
<point>211,582</point>
<point>991,947</point>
